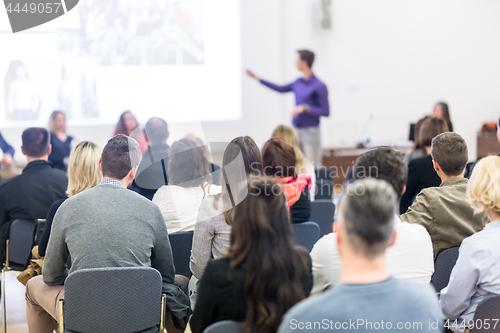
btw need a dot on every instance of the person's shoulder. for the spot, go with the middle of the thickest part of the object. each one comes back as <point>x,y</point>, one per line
<point>8,183</point>
<point>325,242</point>
<point>414,292</point>
<point>419,161</point>
<point>58,173</point>
<point>312,306</point>
<point>412,230</point>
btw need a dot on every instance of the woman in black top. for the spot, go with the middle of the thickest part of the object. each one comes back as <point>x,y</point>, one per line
<point>263,275</point>
<point>279,162</point>
<point>442,111</point>
<point>60,141</point>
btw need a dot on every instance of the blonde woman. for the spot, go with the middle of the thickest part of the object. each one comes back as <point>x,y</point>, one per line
<point>83,173</point>
<point>61,142</point>
<point>476,275</point>
<point>303,164</point>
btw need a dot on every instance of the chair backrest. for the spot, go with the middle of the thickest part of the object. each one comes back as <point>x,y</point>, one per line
<point>487,316</point>
<point>20,243</point>
<point>181,243</point>
<point>443,265</point>
<point>108,300</point>
<point>322,213</point>
<point>306,234</point>
<point>225,326</point>
<point>324,183</point>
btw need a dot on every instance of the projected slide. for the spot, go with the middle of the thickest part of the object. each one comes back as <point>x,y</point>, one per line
<point>178,59</point>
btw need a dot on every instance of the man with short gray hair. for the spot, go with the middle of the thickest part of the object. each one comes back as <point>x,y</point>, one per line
<point>445,210</point>
<point>368,298</point>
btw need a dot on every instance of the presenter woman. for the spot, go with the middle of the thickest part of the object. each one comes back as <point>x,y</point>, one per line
<point>311,100</point>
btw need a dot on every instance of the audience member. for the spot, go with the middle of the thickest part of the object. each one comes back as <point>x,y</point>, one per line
<point>127,125</point>
<point>152,172</point>
<point>418,149</point>
<point>83,173</point>
<point>442,111</point>
<point>304,166</point>
<point>368,298</point>
<point>105,226</point>
<point>8,152</point>
<point>476,275</point>
<point>444,211</point>
<point>214,168</point>
<point>29,195</point>
<point>421,174</point>
<point>279,162</point>
<point>189,182</point>
<point>263,274</point>
<point>213,225</point>
<point>410,257</point>
<point>61,142</point>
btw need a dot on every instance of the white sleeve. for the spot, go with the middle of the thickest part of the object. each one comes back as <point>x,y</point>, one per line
<point>326,263</point>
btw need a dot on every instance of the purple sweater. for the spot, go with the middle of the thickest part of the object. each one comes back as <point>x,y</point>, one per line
<point>312,93</point>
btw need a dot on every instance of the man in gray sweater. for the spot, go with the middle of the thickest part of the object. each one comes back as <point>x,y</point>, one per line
<point>106,226</point>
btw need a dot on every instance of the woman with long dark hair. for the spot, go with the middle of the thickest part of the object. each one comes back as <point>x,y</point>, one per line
<point>241,159</point>
<point>264,273</point>
<point>127,125</point>
<point>442,111</point>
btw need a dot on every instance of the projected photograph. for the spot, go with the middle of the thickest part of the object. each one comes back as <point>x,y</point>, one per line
<point>131,32</point>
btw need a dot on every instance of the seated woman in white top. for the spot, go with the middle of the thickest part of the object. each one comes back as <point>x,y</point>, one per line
<point>241,159</point>
<point>304,166</point>
<point>189,182</point>
<point>476,275</point>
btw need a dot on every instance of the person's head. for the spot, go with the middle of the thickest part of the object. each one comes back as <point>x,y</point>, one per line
<point>36,143</point>
<point>83,167</point>
<point>261,239</point>
<point>57,122</point>
<point>484,187</point>
<point>126,124</point>
<point>416,139</point>
<point>188,165</point>
<point>156,131</point>
<point>305,60</point>
<point>365,223</point>
<point>279,159</point>
<point>383,163</point>
<point>199,142</point>
<point>288,134</point>
<point>241,160</point>
<point>429,129</point>
<point>449,154</point>
<point>120,159</point>
<point>442,111</point>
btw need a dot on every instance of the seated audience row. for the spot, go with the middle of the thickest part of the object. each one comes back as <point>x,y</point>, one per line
<point>246,225</point>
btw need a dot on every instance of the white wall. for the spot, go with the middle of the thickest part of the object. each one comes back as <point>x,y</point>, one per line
<point>390,58</point>
<point>395,58</point>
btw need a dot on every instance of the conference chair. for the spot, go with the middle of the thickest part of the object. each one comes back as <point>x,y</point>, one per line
<point>181,243</point>
<point>487,316</point>
<point>322,213</point>
<point>324,184</point>
<point>113,300</point>
<point>306,234</point>
<point>17,253</point>
<point>443,265</point>
<point>224,326</point>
